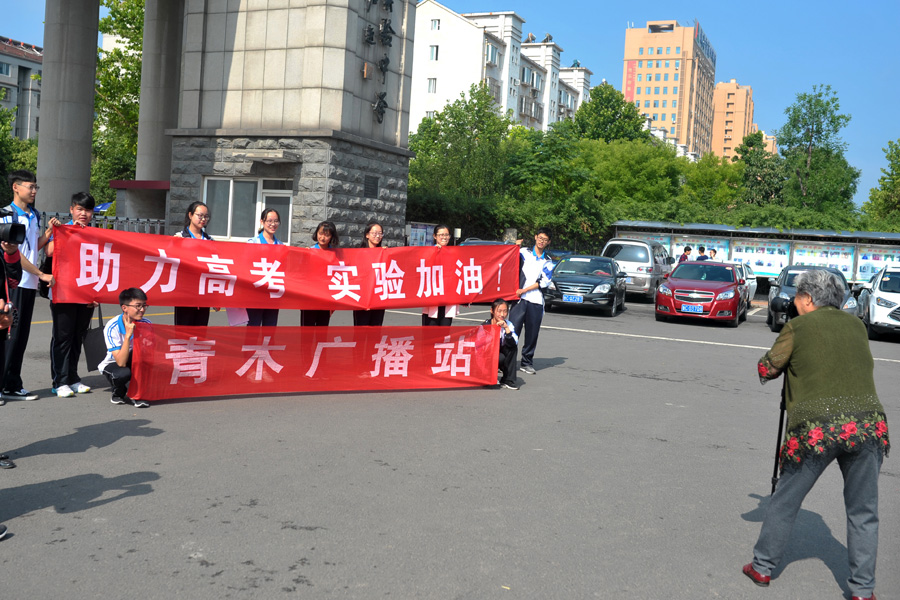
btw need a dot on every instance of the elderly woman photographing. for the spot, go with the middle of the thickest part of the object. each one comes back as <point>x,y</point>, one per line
<point>833,414</point>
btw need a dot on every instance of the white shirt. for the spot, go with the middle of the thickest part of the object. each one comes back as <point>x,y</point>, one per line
<point>114,334</point>
<point>536,270</point>
<point>28,248</point>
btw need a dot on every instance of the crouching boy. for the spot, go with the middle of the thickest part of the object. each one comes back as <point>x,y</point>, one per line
<point>509,342</point>
<point>118,334</point>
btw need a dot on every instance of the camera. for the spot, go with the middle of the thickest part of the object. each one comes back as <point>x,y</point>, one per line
<point>12,233</point>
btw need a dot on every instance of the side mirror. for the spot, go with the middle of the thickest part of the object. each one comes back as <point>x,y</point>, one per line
<point>771,281</point>
<point>666,276</point>
<point>670,260</point>
<point>621,275</point>
<point>742,282</point>
<point>866,286</point>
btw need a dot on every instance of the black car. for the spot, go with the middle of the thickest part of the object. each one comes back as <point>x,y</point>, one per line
<point>587,281</point>
<point>785,287</point>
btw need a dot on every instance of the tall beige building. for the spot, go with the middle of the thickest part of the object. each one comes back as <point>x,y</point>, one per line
<point>732,116</point>
<point>669,74</point>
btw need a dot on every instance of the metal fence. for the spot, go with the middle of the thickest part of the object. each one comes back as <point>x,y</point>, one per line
<point>117,223</point>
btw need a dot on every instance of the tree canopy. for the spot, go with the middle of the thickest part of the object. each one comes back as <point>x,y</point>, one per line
<point>608,116</point>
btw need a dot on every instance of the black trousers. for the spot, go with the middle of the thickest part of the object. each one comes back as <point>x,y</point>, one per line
<point>529,315</point>
<point>508,363</point>
<point>441,320</point>
<point>18,338</point>
<point>189,315</point>
<point>265,317</point>
<point>368,318</point>
<point>118,378</point>
<point>315,318</point>
<point>70,321</point>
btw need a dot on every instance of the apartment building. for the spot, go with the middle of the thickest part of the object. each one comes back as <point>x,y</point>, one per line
<point>669,74</point>
<point>733,119</point>
<point>525,76</point>
<point>18,91</point>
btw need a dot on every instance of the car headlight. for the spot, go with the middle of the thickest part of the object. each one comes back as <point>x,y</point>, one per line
<point>884,302</point>
<point>603,288</point>
<point>726,295</point>
<point>664,290</point>
<point>850,304</point>
<point>783,295</point>
<point>552,286</point>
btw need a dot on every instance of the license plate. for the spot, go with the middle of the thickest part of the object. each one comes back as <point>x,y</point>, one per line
<point>691,308</point>
<point>629,280</point>
<point>573,298</point>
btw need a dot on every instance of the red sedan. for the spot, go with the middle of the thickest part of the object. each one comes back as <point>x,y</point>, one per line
<point>704,290</point>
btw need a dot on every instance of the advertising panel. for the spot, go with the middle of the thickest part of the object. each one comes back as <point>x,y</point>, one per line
<point>838,257</point>
<point>874,258</point>
<point>720,245</point>
<point>765,257</point>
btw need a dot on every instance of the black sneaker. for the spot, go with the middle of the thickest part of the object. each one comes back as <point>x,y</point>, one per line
<point>509,386</point>
<point>141,403</point>
<point>22,394</point>
<point>117,399</point>
<point>3,531</point>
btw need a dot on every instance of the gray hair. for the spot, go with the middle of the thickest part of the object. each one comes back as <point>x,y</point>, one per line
<point>823,287</point>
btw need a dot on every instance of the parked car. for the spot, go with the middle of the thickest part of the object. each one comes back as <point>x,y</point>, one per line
<point>645,263</point>
<point>784,286</point>
<point>473,241</point>
<point>746,273</point>
<point>879,303</point>
<point>705,290</point>
<point>588,281</point>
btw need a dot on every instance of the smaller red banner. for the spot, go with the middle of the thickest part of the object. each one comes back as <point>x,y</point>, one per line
<point>201,362</point>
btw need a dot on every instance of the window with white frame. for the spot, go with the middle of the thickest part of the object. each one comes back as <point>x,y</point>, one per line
<point>435,24</point>
<point>434,52</point>
<point>432,85</point>
<point>236,204</point>
<point>4,68</point>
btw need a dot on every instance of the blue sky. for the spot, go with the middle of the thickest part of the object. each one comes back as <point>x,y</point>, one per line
<point>779,48</point>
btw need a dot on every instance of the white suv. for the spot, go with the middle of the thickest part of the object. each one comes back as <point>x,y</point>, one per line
<point>880,303</point>
<point>645,264</point>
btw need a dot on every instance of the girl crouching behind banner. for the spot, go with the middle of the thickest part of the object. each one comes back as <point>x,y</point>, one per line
<point>325,238</point>
<point>70,321</point>
<point>440,315</point>
<point>195,221</point>
<point>372,236</point>
<point>509,343</point>
<point>269,221</point>
<point>118,333</point>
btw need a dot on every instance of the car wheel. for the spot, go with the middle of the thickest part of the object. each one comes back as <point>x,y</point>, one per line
<point>613,310</point>
<point>873,335</point>
<point>548,306</point>
<point>768,317</point>
<point>743,316</point>
<point>775,327</point>
<point>734,322</point>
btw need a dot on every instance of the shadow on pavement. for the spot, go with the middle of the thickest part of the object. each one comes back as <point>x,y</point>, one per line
<point>810,538</point>
<point>90,436</point>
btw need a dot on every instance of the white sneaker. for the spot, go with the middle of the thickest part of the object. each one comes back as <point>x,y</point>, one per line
<point>64,391</point>
<point>80,388</point>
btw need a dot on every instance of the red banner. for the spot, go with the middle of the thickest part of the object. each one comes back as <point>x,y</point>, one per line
<point>193,362</point>
<point>94,265</point>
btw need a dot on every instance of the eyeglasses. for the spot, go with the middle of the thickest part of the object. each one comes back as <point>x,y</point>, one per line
<point>137,306</point>
<point>543,239</point>
<point>443,235</point>
<point>31,187</point>
<point>202,217</point>
<point>376,234</point>
<point>269,222</point>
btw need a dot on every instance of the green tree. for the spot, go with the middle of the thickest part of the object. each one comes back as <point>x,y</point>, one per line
<point>117,97</point>
<point>764,173</point>
<point>14,153</point>
<point>819,176</point>
<point>882,211</point>
<point>608,117</point>
<point>460,157</point>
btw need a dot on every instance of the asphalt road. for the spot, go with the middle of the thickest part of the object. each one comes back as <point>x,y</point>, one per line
<point>636,463</point>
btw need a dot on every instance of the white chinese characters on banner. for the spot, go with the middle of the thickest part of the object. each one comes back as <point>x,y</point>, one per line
<point>469,277</point>
<point>262,357</point>
<point>455,363</point>
<point>320,347</point>
<point>99,267</point>
<point>161,262</point>
<point>340,281</point>
<point>431,280</point>
<point>271,277</point>
<point>388,281</point>
<point>394,355</point>
<point>189,358</point>
<point>219,279</point>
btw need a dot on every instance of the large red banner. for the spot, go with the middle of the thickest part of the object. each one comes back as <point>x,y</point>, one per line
<point>94,265</point>
<point>193,362</point>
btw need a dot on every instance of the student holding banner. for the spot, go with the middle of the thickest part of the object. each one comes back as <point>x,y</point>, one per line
<point>269,221</point>
<point>440,315</point>
<point>325,238</point>
<point>372,236</point>
<point>70,321</point>
<point>195,221</point>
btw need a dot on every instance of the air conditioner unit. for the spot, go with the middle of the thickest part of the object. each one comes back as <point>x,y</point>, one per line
<point>516,82</point>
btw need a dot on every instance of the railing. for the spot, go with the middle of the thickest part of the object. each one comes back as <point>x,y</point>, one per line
<point>117,223</point>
